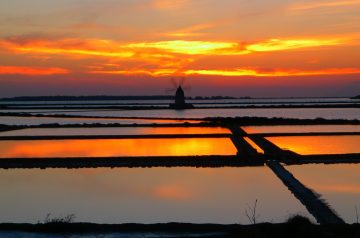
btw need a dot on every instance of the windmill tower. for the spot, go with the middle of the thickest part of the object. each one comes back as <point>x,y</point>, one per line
<point>179,102</point>
<point>179,96</point>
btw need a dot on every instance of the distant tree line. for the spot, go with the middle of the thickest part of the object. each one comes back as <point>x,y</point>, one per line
<point>216,97</point>
<point>102,98</point>
<point>86,98</point>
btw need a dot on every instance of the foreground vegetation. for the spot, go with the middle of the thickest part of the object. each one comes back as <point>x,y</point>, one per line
<point>296,226</point>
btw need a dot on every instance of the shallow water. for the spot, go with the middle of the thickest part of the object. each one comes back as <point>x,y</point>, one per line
<point>306,145</point>
<point>116,147</point>
<point>18,120</point>
<point>338,183</point>
<point>171,194</point>
<point>198,195</point>
<point>301,128</point>
<point>300,113</point>
<point>116,131</point>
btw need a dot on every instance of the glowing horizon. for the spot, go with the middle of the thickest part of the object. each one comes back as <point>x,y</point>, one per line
<point>151,40</point>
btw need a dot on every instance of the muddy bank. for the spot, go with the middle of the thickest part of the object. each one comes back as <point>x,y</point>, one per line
<point>297,228</point>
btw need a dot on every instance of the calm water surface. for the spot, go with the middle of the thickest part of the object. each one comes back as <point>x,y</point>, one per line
<point>115,131</point>
<point>339,184</point>
<point>116,147</point>
<point>301,128</point>
<point>18,120</point>
<point>306,145</point>
<point>173,194</point>
<point>153,195</point>
<point>300,113</point>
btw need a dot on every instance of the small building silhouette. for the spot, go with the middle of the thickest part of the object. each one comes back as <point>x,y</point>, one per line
<point>180,100</point>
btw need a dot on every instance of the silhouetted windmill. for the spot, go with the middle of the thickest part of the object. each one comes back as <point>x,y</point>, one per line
<point>179,87</point>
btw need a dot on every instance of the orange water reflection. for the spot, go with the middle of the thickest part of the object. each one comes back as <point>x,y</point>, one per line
<point>254,145</point>
<point>145,195</point>
<point>117,147</point>
<point>306,145</point>
<point>184,130</point>
<point>174,192</point>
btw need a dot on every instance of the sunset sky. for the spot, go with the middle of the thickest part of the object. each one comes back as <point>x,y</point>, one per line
<point>258,48</point>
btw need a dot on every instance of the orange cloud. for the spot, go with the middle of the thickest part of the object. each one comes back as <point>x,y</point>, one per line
<point>155,72</point>
<point>291,44</point>
<point>113,49</point>
<point>97,48</point>
<point>231,72</point>
<point>189,31</point>
<point>316,4</point>
<point>32,70</point>
<point>234,48</point>
<point>169,5</point>
<point>171,57</point>
<point>187,47</point>
<point>274,73</point>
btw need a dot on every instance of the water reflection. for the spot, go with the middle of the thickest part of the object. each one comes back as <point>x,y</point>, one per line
<point>254,145</point>
<point>306,145</point>
<point>299,113</point>
<point>339,184</point>
<point>145,195</point>
<point>302,128</point>
<point>116,147</point>
<point>115,131</point>
<point>18,120</point>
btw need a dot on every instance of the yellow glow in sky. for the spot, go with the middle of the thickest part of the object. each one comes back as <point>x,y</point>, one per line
<point>278,44</point>
<point>92,44</point>
<point>277,73</point>
<point>187,47</point>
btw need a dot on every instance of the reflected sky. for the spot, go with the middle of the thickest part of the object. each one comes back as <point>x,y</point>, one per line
<point>117,147</point>
<point>17,120</point>
<point>115,131</point>
<point>254,145</point>
<point>145,195</point>
<point>301,128</point>
<point>306,145</point>
<point>299,113</point>
<point>338,183</point>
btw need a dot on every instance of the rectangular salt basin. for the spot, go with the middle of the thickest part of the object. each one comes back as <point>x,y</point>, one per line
<point>18,120</point>
<point>199,195</point>
<point>339,185</point>
<point>306,145</point>
<point>298,113</point>
<point>115,131</point>
<point>301,128</point>
<point>116,147</point>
